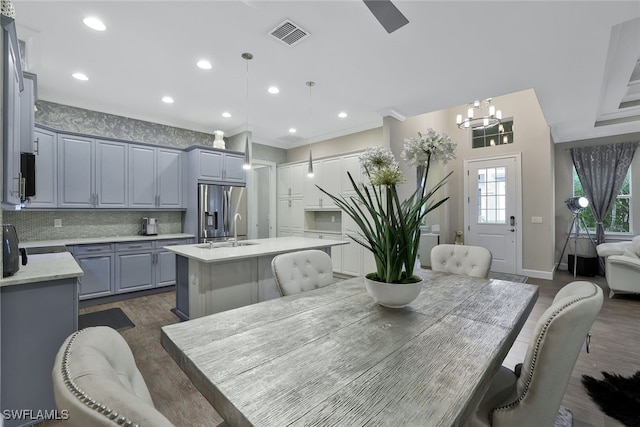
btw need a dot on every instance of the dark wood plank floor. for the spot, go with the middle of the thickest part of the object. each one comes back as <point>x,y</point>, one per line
<point>615,347</point>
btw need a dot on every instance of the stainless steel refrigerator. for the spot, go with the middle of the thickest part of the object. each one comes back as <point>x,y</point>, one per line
<point>217,209</point>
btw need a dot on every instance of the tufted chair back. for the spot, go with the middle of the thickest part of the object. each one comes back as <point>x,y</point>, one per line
<point>461,259</point>
<point>533,396</point>
<point>95,379</point>
<point>302,271</point>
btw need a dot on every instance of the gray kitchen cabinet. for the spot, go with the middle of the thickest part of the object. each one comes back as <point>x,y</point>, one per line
<point>166,262</point>
<point>76,176</point>
<point>46,171</point>
<point>218,166</point>
<point>36,318</point>
<point>91,173</point>
<point>12,86</point>
<point>135,266</point>
<point>27,113</point>
<point>155,177</point>
<point>111,159</point>
<point>169,179</point>
<point>97,263</point>
<point>142,172</point>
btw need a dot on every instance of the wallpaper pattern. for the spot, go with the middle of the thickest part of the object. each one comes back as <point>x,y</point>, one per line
<point>78,120</point>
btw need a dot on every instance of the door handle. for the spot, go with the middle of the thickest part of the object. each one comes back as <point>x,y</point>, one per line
<point>512,221</point>
<point>512,230</point>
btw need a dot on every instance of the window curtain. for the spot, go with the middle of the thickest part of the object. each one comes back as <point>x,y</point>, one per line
<point>602,169</point>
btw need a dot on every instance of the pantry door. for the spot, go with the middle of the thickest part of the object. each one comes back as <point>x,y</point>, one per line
<point>492,216</point>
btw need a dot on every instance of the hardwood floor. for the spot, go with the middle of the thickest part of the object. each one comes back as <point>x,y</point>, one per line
<point>615,346</point>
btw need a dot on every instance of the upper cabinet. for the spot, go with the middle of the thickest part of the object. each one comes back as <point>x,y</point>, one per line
<point>218,166</point>
<point>155,177</point>
<point>326,175</point>
<point>46,171</point>
<point>91,173</point>
<point>291,180</point>
<point>12,87</point>
<point>28,97</point>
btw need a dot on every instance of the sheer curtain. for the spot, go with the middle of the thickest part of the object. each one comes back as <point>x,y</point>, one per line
<point>602,169</point>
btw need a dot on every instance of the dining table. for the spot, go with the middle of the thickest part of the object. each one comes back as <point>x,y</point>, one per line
<point>334,357</point>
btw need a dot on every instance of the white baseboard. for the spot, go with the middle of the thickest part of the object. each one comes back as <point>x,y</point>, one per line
<point>538,274</point>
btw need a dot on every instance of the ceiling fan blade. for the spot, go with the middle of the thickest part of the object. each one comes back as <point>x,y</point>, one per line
<point>387,14</point>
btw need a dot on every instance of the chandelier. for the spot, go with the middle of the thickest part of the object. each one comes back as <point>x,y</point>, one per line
<point>480,115</point>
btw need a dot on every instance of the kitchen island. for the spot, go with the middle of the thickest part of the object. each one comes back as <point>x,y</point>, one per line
<point>38,311</point>
<point>218,277</point>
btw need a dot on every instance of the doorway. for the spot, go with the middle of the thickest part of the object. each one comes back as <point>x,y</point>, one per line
<point>262,194</point>
<point>493,212</point>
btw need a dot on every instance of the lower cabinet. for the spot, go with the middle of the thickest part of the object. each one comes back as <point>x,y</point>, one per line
<point>97,264</point>
<point>36,318</point>
<point>114,268</point>
<point>135,266</point>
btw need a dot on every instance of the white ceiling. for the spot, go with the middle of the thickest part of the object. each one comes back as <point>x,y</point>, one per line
<point>450,53</point>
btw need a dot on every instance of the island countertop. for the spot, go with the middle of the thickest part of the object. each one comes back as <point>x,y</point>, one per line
<point>251,248</point>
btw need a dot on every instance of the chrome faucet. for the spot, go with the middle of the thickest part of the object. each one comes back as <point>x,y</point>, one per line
<point>236,217</point>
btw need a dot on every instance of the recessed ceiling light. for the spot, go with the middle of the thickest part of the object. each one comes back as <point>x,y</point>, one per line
<point>204,64</point>
<point>94,23</point>
<point>80,76</point>
<point>342,114</point>
<point>292,130</point>
<point>273,90</point>
<point>167,99</point>
<point>226,114</point>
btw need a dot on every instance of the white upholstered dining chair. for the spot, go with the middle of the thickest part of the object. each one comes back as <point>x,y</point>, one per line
<point>95,379</point>
<point>296,272</point>
<point>472,261</point>
<point>532,395</point>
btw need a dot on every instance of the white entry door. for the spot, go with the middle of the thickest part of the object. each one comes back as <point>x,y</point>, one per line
<point>492,215</point>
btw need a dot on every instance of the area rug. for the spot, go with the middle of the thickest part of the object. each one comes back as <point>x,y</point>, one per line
<point>617,396</point>
<point>508,277</point>
<point>113,317</point>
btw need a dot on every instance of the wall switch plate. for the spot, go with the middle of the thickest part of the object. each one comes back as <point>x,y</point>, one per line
<point>536,220</point>
<point>57,222</point>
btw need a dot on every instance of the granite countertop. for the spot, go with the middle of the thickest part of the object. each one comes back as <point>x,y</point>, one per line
<point>44,267</point>
<point>92,240</point>
<point>222,252</point>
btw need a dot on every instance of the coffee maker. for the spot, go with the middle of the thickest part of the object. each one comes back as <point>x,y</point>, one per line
<point>149,226</point>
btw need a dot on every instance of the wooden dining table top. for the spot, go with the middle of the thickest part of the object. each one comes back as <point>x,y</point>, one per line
<point>334,357</point>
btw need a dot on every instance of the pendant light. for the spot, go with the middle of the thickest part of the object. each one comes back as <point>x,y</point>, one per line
<point>247,158</point>
<point>310,168</point>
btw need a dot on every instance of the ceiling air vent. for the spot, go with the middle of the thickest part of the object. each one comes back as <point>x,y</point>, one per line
<point>289,33</point>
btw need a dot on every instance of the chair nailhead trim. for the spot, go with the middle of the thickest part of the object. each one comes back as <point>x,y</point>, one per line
<point>534,358</point>
<point>82,395</point>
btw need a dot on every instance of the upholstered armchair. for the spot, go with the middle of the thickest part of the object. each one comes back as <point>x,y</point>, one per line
<point>96,380</point>
<point>622,266</point>
<point>302,271</point>
<point>532,396</point>
<point>461,259</point>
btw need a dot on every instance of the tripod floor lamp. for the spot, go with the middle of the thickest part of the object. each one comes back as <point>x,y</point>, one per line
<point>576,205</point>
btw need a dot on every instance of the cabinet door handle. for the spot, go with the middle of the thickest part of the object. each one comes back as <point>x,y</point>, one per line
<point>289,203</point>
<point>37,146</point>
<point>23,188</point>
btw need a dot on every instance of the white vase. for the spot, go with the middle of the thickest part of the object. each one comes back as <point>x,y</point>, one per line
<point>393,295</point>
<point>218,141</point>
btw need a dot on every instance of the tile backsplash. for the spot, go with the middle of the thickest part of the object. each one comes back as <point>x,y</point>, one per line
<point>39,225</point>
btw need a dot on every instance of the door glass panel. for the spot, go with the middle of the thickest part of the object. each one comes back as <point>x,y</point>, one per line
<point>491,196</point>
